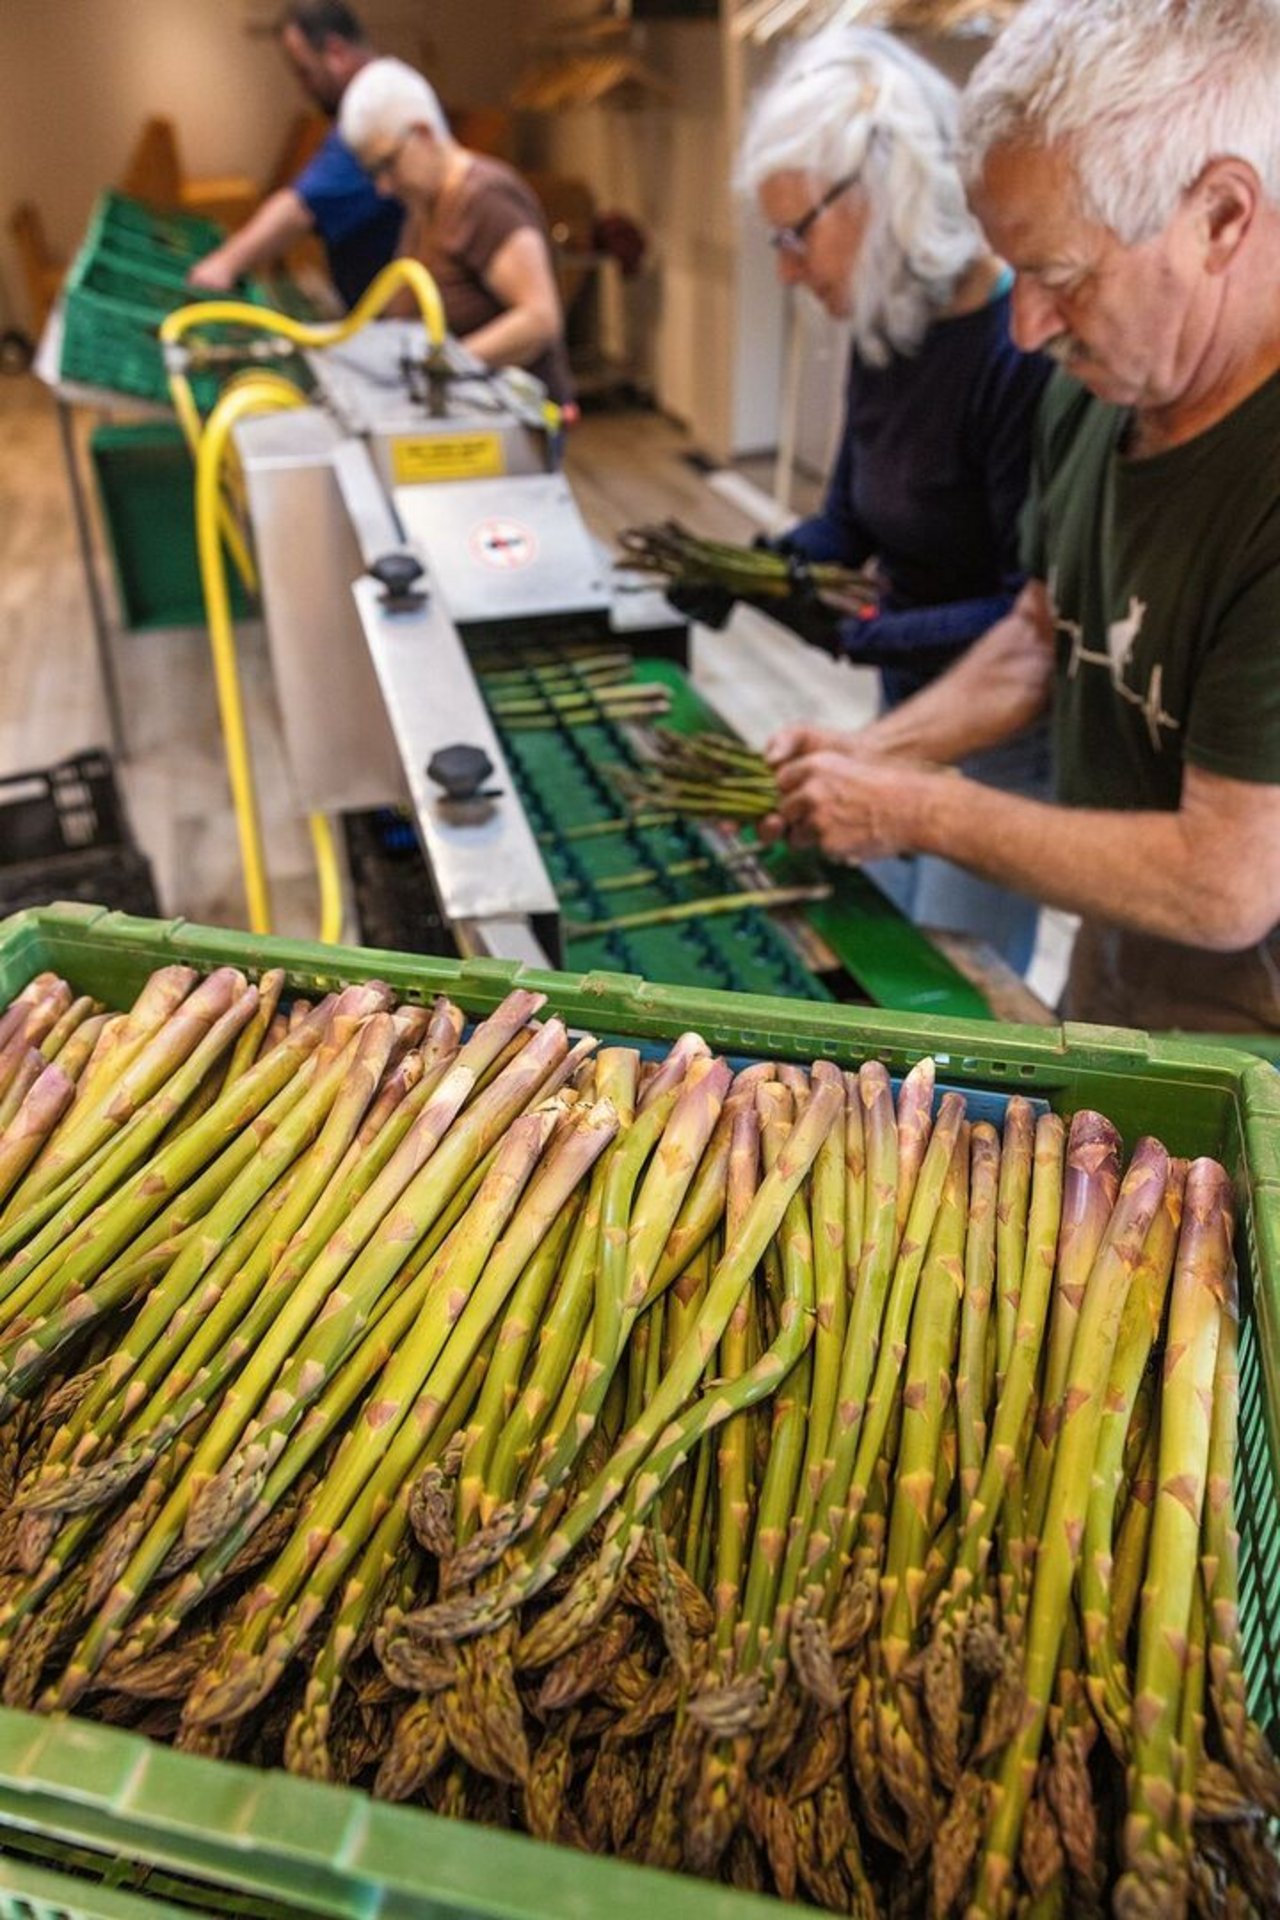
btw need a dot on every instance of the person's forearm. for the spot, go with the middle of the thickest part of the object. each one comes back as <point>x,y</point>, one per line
<point>514,338</point>
<point>928,639</point>
<point>995,690</point>
<point>279,224</point>
<point>1155,872</point>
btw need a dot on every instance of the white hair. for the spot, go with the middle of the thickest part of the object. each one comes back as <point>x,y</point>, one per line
<point>1142,95</point>
<point>853,100</point>
<point>384,100</point>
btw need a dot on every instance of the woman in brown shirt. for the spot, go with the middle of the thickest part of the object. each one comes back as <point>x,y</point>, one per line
<point>472,221</point>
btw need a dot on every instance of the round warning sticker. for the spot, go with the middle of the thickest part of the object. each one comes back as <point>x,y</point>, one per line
<point>504,544</point>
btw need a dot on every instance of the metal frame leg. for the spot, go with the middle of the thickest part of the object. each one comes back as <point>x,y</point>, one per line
<point>97,607</point>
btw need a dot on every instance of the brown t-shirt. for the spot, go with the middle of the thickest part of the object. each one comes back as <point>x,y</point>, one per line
<point>469,224</point>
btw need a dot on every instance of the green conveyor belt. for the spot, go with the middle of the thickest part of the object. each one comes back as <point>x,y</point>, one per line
<point>562,772</point>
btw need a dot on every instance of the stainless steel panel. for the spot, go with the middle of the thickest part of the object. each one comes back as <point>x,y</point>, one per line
<point>340,745</point>
<point>484,858</point>
<point>506,549</point>
<point>368,505</point>
<point>362,379</point>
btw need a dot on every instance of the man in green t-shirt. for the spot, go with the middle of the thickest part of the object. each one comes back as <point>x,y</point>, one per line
<point>1126,162</point>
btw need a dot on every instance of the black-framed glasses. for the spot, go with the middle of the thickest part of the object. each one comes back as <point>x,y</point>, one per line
<point>377,169</point>
<point>792,240</point>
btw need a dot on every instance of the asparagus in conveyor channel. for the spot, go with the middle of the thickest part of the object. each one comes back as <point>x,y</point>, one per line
<point>775,1472</point>
<point>709,774</point>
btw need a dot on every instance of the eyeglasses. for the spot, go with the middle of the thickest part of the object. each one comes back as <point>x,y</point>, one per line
<point>376,169</point>
<point>793,240</point>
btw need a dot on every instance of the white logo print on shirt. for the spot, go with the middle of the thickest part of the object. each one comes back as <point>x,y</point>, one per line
<point>1122,636</point>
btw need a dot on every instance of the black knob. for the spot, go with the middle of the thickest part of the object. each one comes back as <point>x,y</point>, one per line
<point>460,769</point>
<point>395,574</point>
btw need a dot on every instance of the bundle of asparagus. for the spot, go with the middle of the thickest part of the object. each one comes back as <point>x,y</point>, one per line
<point>747,573</point>
<point>708,774</point>
<point>744,1472</point>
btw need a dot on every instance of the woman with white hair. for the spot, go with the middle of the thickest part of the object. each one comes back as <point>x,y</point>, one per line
<point>472,221</point>
<point>849,152</point>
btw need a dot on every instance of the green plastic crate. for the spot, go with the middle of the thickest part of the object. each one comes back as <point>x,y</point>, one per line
<point>146,490</point>
<point>129,272</point>
<point>132,239</point>
<point>333,1851</point>
<point>140,278</point>
<point>117,219</point>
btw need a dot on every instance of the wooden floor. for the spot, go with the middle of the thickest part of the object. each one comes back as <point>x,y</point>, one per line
<point>625,467</point>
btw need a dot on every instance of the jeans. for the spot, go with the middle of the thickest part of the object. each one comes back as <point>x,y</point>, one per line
<point>935,893</point>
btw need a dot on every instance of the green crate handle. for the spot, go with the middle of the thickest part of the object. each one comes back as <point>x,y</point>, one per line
<point>327,1850</point>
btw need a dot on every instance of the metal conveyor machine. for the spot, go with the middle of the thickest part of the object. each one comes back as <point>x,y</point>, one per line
<point>418,545</point>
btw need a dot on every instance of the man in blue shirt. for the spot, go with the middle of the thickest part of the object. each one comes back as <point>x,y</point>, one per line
<point>325,44</point>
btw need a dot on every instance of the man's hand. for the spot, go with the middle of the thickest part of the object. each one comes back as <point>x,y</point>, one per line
<point>850,808</point>
<point>213,274</point>
<point>793,743</point>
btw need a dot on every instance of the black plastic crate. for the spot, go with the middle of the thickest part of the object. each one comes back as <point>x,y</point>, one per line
<point>395,902</point>
<point>64,835</point>
<point>69,808</point>
<point>118,877</point>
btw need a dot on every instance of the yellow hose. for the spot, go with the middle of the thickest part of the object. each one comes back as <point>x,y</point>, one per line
<point>188,413</point>
<point>256,393</point>
<point>330,878</point>
<point>400,273</point>
<point>212,448</point>
<point>271,395</point>
<point>305,333</point>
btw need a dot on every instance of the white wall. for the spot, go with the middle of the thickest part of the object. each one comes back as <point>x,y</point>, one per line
<point>714,331</point>
<point>79,77</point>
<point>667,166</point>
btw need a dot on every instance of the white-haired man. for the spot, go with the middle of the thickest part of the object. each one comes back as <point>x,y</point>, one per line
<point>1124,157</point>
<point>472,221</point>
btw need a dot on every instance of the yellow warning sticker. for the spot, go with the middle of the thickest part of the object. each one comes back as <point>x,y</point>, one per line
<point>447,456</point>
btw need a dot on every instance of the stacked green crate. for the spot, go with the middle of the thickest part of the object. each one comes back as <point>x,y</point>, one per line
<point>158,233</point>
<point>130,272</point>
<point>146,490</point>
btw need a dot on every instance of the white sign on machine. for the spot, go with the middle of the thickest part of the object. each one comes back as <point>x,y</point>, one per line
<point>506,548</point>
<point>504,544</point>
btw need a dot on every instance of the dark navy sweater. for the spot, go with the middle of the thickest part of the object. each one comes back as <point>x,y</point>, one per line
<point>930,479</point>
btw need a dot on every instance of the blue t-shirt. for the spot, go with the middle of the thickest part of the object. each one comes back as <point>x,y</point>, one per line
<point>360,228</point>
<point>933,469</point>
